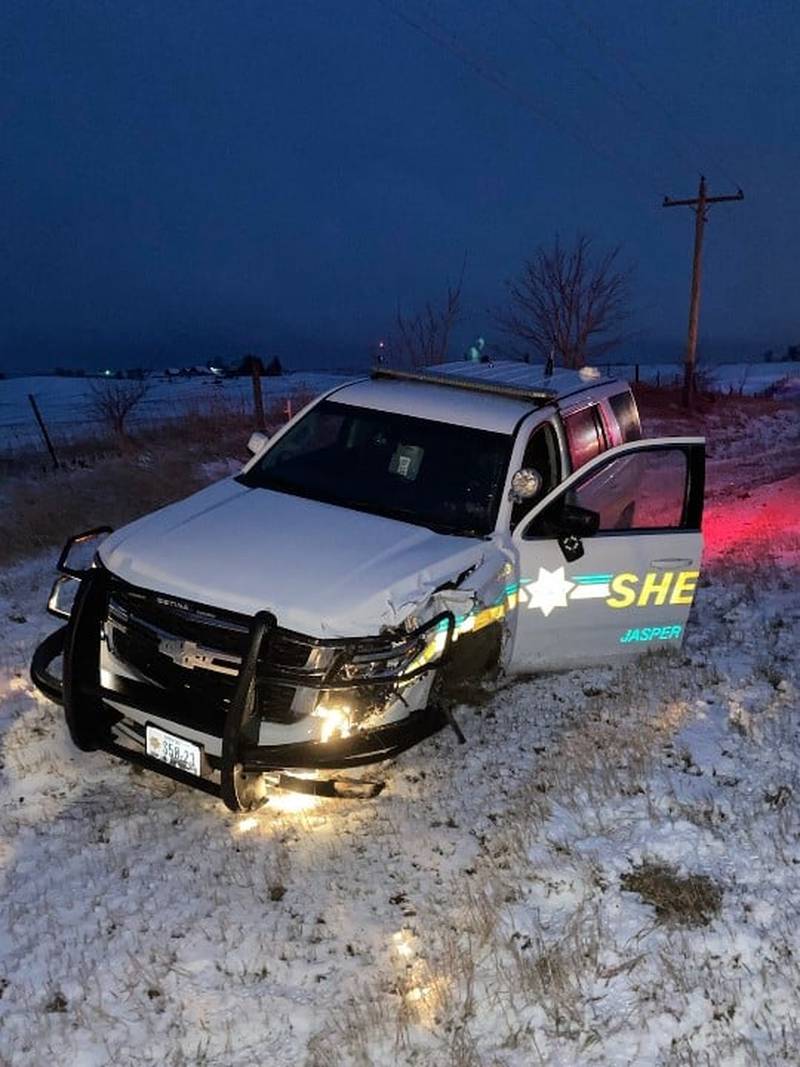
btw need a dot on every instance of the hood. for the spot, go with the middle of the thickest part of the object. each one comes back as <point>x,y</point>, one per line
<point>323,570</point>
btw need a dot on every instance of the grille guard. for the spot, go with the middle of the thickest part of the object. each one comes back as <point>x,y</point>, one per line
<point>82,695</point>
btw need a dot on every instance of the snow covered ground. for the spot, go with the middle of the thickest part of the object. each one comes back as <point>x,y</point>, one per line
<point>65,402</point>
<point>481,910</point>
<point>747,379</point>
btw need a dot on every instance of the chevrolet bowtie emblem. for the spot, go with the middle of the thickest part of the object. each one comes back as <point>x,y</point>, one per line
<point>184,653</point>
<point>188,654</point>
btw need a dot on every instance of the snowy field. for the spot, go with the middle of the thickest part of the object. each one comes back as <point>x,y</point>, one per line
<point>65,403</point>
<point>608,873</point>
<point>740,379</point>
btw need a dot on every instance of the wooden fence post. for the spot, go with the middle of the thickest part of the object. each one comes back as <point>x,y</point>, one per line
<point>43,428</point>
<point>258,399</point>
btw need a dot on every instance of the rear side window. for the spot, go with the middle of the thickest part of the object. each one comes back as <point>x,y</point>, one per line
<point>585,436</point>
<point>624,407</point>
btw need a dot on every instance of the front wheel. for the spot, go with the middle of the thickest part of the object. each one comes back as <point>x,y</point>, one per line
<point>249,790</point>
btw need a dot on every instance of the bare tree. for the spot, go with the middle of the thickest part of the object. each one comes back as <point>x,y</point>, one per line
<point>569,301</point>
<point>111,402</point>
<point>423,339</point>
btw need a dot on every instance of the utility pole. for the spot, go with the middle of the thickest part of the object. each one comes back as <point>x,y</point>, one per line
<point>699,204</point>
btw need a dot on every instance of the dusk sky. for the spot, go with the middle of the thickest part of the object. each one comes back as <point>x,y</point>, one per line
<point>190,181</point>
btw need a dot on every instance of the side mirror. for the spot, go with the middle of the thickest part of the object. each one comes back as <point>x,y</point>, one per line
<point>257,441</point>
<point>525,484</point>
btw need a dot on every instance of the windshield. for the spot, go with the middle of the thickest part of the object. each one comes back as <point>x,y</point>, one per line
<point>448,478</point>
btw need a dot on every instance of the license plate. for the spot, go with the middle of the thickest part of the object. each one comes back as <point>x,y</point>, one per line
<point>173,750</point>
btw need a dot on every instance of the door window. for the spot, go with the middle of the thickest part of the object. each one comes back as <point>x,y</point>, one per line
<point>585,436</point>
<point>644,490</point>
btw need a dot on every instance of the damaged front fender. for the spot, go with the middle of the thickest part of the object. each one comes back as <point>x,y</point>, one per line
<point>483,599</point>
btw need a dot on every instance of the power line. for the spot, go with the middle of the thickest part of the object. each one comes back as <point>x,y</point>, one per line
<point>440,35</point>
<point>618,56</point>
<point>571,56</point>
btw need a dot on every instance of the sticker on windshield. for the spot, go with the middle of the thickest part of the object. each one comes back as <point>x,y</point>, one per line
<point>553,589</point>
<point>406,461</point>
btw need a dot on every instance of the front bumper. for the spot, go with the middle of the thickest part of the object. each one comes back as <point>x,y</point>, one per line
<point>95,713</point>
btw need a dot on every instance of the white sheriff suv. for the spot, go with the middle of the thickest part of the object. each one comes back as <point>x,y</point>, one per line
<point>403,534</point>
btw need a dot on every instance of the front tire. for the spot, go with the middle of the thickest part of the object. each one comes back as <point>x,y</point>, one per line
<point>249,790</point>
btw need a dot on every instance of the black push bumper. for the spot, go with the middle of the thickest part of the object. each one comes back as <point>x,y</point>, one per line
<point>91,719</point>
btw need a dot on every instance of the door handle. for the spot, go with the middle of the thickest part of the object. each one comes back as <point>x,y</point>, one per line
<point>670,564</point>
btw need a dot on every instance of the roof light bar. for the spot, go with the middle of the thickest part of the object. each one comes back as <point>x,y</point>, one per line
<point>475,385</point>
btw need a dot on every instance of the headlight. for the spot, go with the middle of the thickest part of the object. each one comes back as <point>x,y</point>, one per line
<point>77,555</point>
<point>335,721</point>
<point>378,666</point>
<point>396,661</point>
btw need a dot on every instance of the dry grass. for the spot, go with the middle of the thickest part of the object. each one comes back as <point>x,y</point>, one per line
<point>41,514</point>
<point>665,401</point>
<point>681,900</point>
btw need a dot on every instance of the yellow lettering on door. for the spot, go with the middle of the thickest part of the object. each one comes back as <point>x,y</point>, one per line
<point>651,586</point>
<point>685,585</point>
<point>624,596</point>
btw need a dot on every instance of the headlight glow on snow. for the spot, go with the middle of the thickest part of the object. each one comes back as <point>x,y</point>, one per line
<point>402,944</point>
<point>244,826</point>
<point>284,803</point>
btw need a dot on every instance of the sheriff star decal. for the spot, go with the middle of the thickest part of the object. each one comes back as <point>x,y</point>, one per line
<point>549,591</point>
<point>554,589</point>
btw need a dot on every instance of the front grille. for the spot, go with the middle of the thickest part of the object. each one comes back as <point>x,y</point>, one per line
<point>198,651</point>
<point>139,648</point>
<point>290,653</point>
<point>195,652</point>
<point>226,632</point>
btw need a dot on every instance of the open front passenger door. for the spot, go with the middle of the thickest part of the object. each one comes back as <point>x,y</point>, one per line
<point>609,560</point>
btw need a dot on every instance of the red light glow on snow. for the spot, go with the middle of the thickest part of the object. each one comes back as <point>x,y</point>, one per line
<point>765,524</point>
